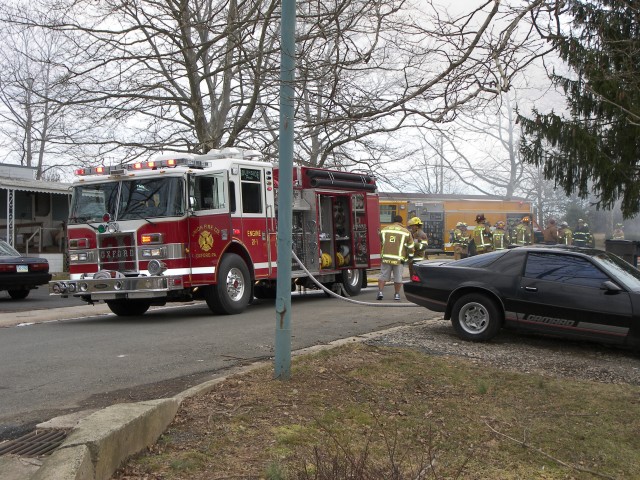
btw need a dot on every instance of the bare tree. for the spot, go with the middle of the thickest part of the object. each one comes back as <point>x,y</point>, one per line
<point>200,74</point>
<point>40,124</point>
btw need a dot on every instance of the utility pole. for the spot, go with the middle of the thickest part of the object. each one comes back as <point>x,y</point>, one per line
<point>282,364</point>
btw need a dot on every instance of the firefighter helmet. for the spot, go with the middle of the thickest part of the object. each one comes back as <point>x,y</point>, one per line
<point>619,225</point>
<point>500,224</point>
<point>480,218</point>
<point>461,225</point>
<point>414,221</point>
<point>526,219</point>
<point>564,225</point>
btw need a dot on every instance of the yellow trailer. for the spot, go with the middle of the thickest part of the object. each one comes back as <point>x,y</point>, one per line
<point>391,208</point>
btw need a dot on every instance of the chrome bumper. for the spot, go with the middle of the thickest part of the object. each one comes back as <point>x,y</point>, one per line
<point>116,288</point>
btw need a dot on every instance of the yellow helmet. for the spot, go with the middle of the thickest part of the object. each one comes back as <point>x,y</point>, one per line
<point>526,219</point>
<point>414,221</point>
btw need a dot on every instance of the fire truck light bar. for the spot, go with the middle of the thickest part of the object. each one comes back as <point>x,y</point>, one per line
<point>137,166</point>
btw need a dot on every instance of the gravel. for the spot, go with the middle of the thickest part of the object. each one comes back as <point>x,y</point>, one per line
<point>522,352</point>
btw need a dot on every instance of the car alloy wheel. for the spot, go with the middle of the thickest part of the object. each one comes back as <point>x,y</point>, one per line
<point>476,317</point>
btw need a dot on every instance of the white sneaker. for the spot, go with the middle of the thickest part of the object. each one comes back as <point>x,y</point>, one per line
<point>396,297</point>
<point>379,297</point>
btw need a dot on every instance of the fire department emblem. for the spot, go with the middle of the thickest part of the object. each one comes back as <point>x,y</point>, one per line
<point>205,241</point>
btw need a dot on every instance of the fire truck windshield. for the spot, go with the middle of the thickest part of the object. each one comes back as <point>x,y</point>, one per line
<point>128,200</point>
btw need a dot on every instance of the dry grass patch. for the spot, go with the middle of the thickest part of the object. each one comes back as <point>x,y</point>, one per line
<point>363,412</point>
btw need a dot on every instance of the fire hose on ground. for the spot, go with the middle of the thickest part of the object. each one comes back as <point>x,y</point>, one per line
<point>338,296</point>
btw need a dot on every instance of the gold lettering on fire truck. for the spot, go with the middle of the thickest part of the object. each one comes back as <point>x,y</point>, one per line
<point>254,233</point>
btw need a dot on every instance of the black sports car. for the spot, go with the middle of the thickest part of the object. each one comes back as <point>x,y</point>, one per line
<point>581,293</point>
<point>18,274</point>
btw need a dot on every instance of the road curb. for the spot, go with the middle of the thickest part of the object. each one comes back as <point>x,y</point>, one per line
<point>101,442</point>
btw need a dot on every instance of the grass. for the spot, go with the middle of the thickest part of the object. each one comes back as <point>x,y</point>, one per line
<point>364,412</point>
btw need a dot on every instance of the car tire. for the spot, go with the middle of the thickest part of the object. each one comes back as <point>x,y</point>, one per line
<point>19,294</point>
<point>476,317</point>
<point>233,292</point>
<point>129,308</point>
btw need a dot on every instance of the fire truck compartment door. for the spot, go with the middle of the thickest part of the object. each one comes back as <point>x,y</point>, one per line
<point>208,222</point>
<point>255,216</point>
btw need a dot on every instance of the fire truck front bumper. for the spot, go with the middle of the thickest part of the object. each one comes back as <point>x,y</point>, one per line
<point>117,288</point>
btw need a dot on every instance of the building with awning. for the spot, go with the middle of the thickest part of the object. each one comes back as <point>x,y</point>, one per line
<point>33,213</point>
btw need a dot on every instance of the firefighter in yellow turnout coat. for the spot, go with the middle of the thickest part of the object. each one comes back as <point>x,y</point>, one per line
<point>460,240</point>
<point>420,241</point>
<point>397,248</point>
<point>500,237</point>
<point>481,235</point>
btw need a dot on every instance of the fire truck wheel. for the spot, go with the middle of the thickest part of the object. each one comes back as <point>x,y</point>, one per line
<point>233,292</point>
<point>128,308</point>
<point>352,281</point>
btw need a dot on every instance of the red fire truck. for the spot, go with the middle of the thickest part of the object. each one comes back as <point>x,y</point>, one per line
<point>204,227</point>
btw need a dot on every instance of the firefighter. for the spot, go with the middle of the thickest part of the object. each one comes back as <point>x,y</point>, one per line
<point>618,232</point>
<point>397,248</point>
<point>565,235</point>
<point>460,241</point>
<point>500,238</point>
<point>481,236</point>
<point>581,235</point>
<point>420,241</point>
<point>524,232</point>
<point>550,233</point>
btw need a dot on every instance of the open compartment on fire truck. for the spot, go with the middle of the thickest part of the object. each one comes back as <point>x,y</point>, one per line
<point>342,226</point>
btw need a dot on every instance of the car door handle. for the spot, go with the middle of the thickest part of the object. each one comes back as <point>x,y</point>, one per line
<point>531,289</point>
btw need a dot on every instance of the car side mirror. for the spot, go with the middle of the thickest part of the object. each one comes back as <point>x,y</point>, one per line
<point>610,287</point>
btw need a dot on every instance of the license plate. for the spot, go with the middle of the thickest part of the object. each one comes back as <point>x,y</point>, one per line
<point>22,268</point>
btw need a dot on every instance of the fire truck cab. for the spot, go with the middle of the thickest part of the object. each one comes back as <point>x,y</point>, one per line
<point>186,227</point>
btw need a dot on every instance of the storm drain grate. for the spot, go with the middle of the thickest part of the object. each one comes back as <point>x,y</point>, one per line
<point>34,444</point>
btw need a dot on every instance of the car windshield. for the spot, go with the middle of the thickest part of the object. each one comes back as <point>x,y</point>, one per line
<point>624,272</point>
<point>479,261</point>
<point>127,200</point>
<point>7,250</point>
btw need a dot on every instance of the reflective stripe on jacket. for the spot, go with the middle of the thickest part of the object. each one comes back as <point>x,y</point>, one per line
<point>397,244</point>
<point>500,240</point>
<point>481,238</point>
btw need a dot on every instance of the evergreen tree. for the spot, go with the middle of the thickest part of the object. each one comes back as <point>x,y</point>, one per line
<point>595,149</point>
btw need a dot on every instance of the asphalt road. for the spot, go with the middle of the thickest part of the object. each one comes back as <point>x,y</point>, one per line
<point>60,366</point>
<point>38,299</point>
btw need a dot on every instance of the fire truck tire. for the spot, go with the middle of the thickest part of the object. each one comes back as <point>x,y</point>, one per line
<point>128,308</point>
<point>233,293</point>
<point>352,281</point>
